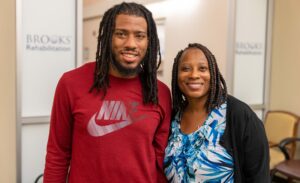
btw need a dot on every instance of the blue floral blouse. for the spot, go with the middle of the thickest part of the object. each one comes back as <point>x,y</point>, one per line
<point>199,157</point>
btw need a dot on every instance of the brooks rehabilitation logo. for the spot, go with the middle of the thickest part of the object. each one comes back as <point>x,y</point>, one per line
<point>36,42</point>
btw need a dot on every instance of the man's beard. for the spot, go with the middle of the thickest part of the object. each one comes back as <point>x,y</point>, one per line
<point>126,71</point>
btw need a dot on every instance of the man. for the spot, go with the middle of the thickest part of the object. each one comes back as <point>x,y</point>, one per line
<point>110,118</point>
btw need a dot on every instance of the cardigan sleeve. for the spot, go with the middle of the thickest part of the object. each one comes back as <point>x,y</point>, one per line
<point>247,138</point>
<point>256,151</point>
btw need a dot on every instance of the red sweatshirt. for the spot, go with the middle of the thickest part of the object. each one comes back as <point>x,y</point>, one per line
<point>111,139</point>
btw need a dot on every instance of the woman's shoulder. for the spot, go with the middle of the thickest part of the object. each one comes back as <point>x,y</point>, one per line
<point>237,105</point>
<point>239,111</point>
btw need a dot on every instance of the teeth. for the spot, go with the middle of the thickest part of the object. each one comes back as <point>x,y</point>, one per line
<point>129,55</point>
<point>195,86</point>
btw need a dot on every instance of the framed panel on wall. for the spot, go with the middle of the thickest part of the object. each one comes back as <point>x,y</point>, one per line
<point>90,36</point>
<point>160,25</point>
<point>48,49</point>
<point>250,55</point>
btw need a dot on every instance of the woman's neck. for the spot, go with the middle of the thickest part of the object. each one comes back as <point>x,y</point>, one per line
<point>193,117</point>
<point>196,105</point>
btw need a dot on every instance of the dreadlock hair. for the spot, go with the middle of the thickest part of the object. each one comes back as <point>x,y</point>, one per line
<point>104,55</point>
<point>218,90</point>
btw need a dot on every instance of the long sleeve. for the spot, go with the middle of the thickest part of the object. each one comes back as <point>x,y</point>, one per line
<point>256,165</point>
<point>162,134</point>
<point>81,149</point>
<point>249,143</point>
<point>60,137</point>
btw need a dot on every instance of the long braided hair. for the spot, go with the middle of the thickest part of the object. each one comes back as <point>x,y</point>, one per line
<point>217,91</point>
<point>104,55</point>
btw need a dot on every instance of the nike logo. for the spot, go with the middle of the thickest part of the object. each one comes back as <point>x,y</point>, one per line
<point>110,110</point>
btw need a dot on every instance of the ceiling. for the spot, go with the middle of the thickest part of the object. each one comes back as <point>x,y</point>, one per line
<point>91,2</point>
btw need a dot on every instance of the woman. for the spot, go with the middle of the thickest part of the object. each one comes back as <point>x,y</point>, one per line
<point>214,136</point>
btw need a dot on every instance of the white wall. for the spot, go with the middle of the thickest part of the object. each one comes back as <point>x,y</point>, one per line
<point>34,140</point>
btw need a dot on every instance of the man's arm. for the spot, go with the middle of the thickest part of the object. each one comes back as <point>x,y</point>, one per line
<point>60,137</point>
<point>162,134</point>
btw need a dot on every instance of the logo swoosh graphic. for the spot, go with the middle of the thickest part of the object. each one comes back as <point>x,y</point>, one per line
<point>98,130</point>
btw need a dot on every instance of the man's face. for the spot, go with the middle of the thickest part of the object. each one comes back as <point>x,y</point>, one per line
<point>129,45</point>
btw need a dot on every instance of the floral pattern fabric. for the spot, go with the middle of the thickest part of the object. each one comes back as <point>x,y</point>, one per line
<point>199,157</point>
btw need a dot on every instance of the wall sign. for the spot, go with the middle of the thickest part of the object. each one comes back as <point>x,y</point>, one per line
<point>48,49</point>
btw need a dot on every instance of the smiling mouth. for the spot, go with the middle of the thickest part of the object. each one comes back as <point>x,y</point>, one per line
<point>195,86</point>
<point>129,57</point>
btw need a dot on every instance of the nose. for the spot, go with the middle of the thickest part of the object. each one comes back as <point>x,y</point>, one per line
<point>194,74</point>
<point>130,42</point>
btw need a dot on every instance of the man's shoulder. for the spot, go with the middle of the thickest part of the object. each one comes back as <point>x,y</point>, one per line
<point>164,93</point>
<point>162,87</point>
<point>84,70</point>
<point>79,76</point>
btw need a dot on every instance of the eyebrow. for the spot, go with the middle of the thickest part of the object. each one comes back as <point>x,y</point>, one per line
<point>137,31</point>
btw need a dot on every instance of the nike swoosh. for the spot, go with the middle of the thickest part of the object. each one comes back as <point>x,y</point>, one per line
<point>100,130</point>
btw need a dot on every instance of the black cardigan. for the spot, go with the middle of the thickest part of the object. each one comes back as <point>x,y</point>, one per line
<point>245,139</point>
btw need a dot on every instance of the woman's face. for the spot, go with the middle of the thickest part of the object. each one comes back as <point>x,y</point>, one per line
<point>193,74</point>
